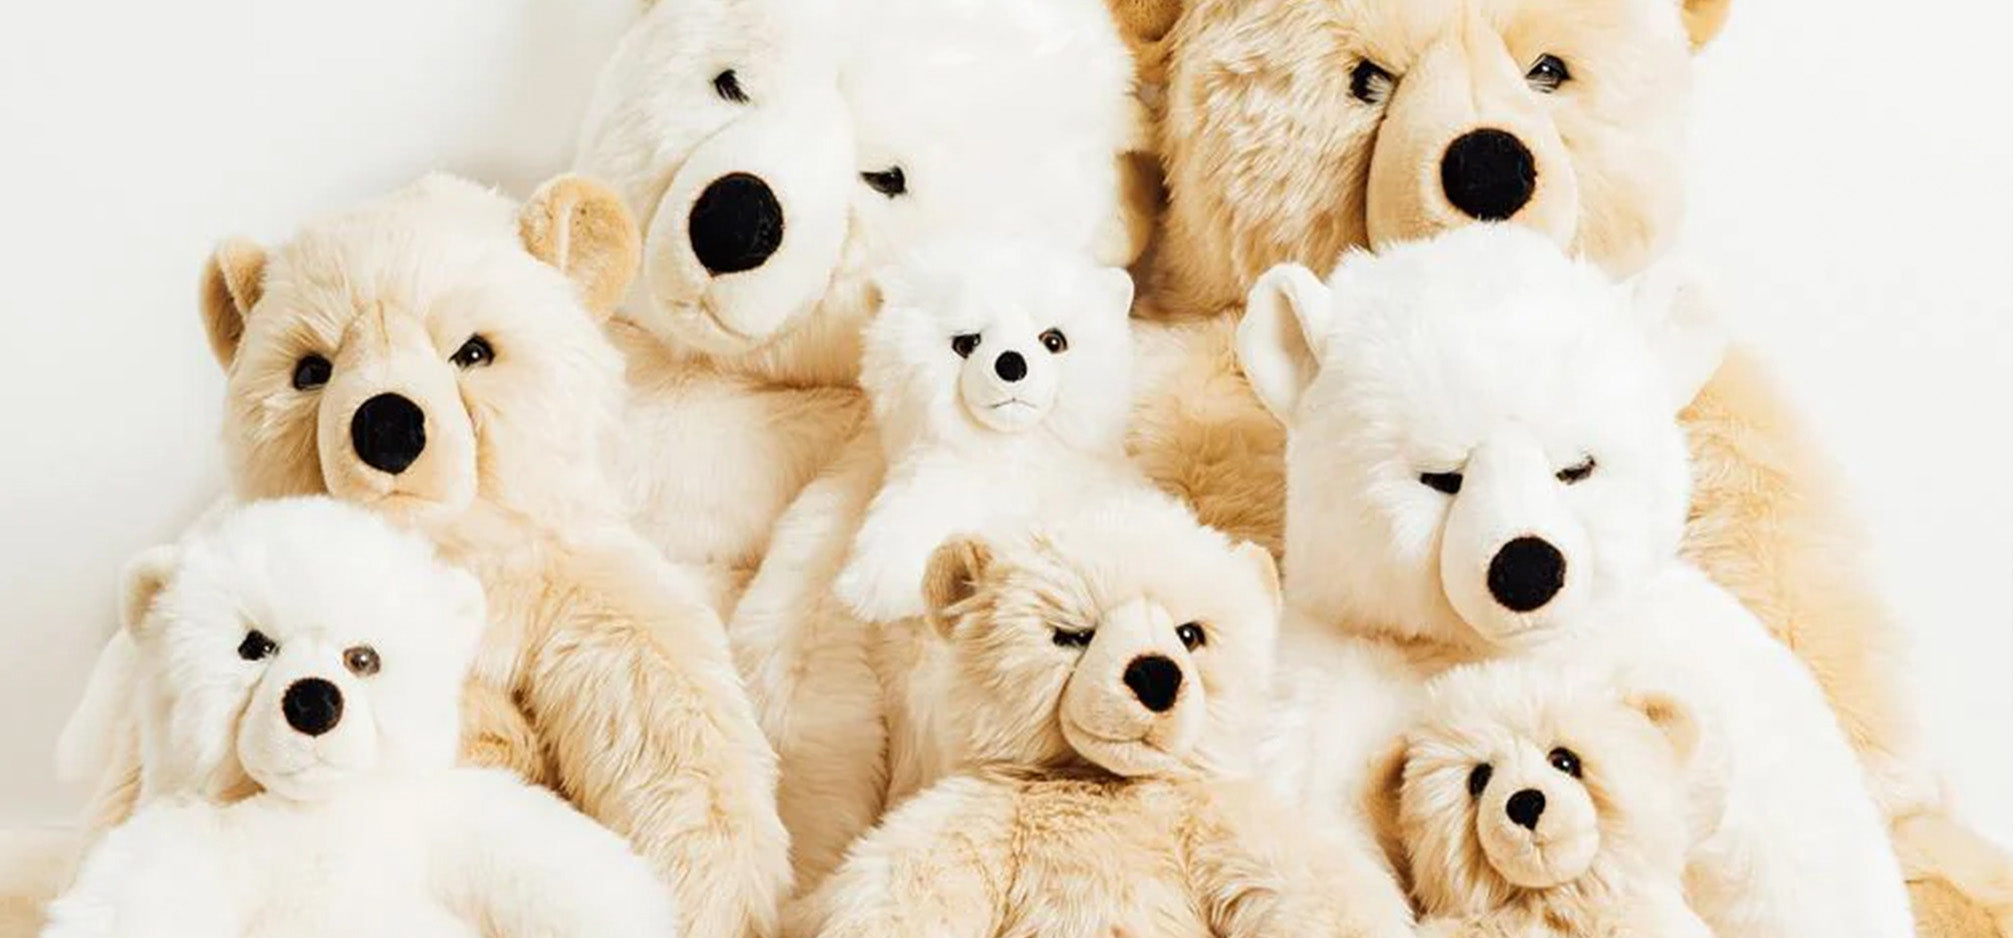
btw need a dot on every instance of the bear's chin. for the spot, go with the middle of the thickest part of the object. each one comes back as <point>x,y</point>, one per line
<point>1526,864</point>
<point>1136,758</point>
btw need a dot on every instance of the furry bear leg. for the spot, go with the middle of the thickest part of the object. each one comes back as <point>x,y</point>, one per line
<point>1961,884</point>
<point>495,734</point>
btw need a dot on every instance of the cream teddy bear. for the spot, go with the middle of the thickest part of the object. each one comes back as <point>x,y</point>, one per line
<point>1535,805</point>
<point>309,651</point>
<point>1100,678</point>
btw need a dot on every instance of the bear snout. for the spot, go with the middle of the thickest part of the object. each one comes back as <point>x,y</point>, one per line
<point>388,433</point>
<point>1488,174</point>
<point>1526,574</point>
<point>1155,680</point>
<point>1010,366</point>
<point>312,706</point>
<point>736,225</point>
<point>1525,808</point>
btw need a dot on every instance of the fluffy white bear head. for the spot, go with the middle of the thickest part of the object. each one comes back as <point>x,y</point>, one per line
<point>979,340</point>
<point>1519,778</point>
<point>1127,638</point>
<point>296,646</point>
<point>779,151</point>
<point>1483,433</point>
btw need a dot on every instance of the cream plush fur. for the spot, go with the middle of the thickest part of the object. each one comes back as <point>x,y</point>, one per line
<point>955,448</point>
<point>1272,156</point>
<point>311,652</point>
<point>807,144</point>
<point>1483,461</point>
<point>1102,677</point>
<point>1535,807</point>
<point>484,317</point>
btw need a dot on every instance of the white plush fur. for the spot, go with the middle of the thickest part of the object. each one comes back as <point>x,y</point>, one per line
<point>1487,353</point>
<point>364,827</point>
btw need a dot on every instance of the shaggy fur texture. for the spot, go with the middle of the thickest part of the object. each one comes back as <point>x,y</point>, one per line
<point>309,652</point>
<point>1452,403</point>
<point>1094,801</point>
<point>1603,785</point>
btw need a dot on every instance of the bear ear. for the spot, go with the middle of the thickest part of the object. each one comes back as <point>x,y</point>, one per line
<point>1679,327</point>
<point>1703,19</point>
<point>955,570</point>
<point>1114,291</point>
<point>1382,794</point>
<point>233,280</point>
<point>582,228</point>
<point>1282,336</point>
<point>1260,560</point>
<point>1672,717</point>
<point>143,580</point>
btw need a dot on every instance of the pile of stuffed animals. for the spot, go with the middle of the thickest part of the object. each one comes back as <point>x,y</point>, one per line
<point>1023,468</point>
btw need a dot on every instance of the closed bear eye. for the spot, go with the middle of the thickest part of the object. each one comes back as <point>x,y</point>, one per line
<point>728,86</point>
<point>1478,780</point>
<point>1370,83</point>
<point>1566,760</point>
<point>1068,638</point>
<point>1055,341</point>
<point>964,345</point>
<point>1577,472</point>
<point>1548,73</point>
<point>256,646</point>
<point>311,372</point>
<point>889,182</point>
<point>1448,482</point>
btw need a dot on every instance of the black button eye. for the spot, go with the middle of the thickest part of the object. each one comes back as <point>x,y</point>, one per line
<point>1192,636</point>
<point>964,345</point>
<point>1577,472</point>
<point>1055,341</point>
<point>1478,780</point>
<point>361,661</point>
<point>311,372</point>
<point>1548,73</point>
<point>728,86</point>
<point>1566,760</point>
<point>475,351</point>
<point>256,646</point>
<point>889,182</point>
<point>1448,482</point>
<point>1370,83</point>
<point>1067,638</point>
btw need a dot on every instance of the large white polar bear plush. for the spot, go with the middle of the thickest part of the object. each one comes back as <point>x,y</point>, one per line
<point>777,154</point>
<point>308,651</point>
<point>1484,460</point>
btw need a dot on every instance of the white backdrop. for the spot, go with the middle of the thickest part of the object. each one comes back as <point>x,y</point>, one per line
<point>1854,184</point>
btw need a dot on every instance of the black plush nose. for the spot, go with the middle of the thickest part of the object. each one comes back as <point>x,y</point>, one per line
<point>389,433</point>
<point>1526,574</point>
<point>312,705</point>
<point>1155,680</point>
<point>1525,808</point>
<point>1010,366</point>
<point>1488,174</point>
<point>736,224</point>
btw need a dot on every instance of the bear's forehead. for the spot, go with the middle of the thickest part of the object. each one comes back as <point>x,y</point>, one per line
<point>1397,31</point>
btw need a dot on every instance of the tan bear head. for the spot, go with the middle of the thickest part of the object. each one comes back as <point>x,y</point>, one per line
<point>427,350</point>
<point>1127,639</point>
<point>1521,779</point>
<point>1297,129</point>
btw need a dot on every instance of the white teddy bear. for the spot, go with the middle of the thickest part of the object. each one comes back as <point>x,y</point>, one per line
<point>1484,460</point>
<point>1000,377</point>
<point>1536,804</point>
<point>308,651</point>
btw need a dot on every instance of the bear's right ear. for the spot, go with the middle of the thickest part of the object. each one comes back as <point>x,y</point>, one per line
<point>1680,326</point>
<point>1260,561</point>
<point>1703,19</point>
<point>582,228</point>
<point>1282,335</point>
<point>1672,718</point>
<point>955,570</point>
<point>142,581</point>
<point>233,281</point>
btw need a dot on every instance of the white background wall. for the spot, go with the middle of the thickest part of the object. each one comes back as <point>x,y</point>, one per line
<point>1854,184</point>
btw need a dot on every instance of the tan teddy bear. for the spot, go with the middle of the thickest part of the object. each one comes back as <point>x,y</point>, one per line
<point>1100,679</point>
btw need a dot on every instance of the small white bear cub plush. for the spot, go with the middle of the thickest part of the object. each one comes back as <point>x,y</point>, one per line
<point>1535,806</point>
<point>1000,377</point>
<point>1103,676</point>
<point>307,657</point>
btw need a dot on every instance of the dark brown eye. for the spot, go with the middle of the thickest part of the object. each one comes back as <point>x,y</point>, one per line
<point>1068,638</point>
<point>475,351</point>
<point>1565,760</point>
<point>889,182</point>
<point>1478,780</point>
<point>1055,341</point>
<point>1192,636</point>
<point>361,661</point>
<point>311,372</point>
<point>964,345</point>
<point>1548,73</point>
<point>1448,482</point>
<point>728,86</point>
<point>256,646</point>
<point>1370,83</point>
<point>1577,472</point>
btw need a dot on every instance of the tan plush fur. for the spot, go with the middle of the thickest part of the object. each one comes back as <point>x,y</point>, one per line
<point>1270,156</point>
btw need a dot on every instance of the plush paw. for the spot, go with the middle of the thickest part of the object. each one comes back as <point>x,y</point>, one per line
<point>876,592</point>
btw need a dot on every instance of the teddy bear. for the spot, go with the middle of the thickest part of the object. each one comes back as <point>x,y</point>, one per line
<point>1484,461</point>
<point>1101,675</point>
<point>309,651</point>
<point>778,154</point>
<point>1293,130</point>
<point>1533,801</point>
<point>437,356</point>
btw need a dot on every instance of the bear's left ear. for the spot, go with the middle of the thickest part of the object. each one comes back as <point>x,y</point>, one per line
<point>1679,326</point>
<point>955,570</point>
<point>582,228</point>
<point>142,581</point>
<point>1260,560</point>
<point>1282,335</point>
<point>1672,717</point>
<point>1114,291</point>
<point>233,280</point>
<point>1703,19</point>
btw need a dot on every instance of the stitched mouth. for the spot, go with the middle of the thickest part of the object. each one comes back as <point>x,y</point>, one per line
<point>1010,402</point>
